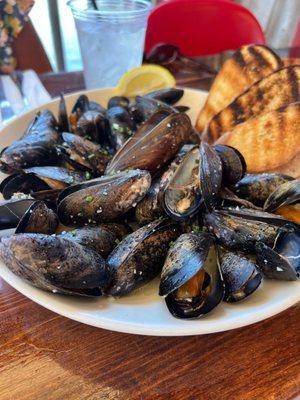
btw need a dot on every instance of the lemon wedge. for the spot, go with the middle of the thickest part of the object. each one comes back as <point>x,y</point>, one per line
<point>141,80</point>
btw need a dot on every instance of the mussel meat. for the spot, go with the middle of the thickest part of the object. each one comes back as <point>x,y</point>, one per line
<point>191,281</point>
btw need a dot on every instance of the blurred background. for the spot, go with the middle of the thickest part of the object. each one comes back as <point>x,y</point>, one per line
<point>55,26</point>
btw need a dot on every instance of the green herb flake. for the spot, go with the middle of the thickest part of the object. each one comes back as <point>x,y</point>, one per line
<point>197,161</point>
<point>89,199</point>
<point>91,156</point>
<point>73,233</point>
<point>197,228</point>
<point>87,175</point>
<point>117,241</point>
<point>171,244</point>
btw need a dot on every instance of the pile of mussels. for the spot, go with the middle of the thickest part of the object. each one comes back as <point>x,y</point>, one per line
<point>104,200</point>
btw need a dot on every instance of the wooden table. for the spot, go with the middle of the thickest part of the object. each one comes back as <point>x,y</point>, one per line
<point>47,357</point>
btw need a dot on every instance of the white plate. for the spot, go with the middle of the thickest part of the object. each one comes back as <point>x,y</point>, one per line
<point>144,312</point>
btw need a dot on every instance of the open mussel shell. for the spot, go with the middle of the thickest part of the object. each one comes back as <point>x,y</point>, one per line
<point>12,211</point>
<point>211,172</point>
<point>81,105</point>
<point>140,256</point>
<point>154,143</point>
<point>39,179</point>
<point>285,194</point>
<point>152,207</point>
<point>241,275</point>
<point>181,197</point>
<point>282,261</point>
<point>84,154</point>
<point>191,279</point>
<point>55,264</point>
<point>102,199</point>
<point>257,188</point>
<point>37,146</point>
<point>38,219</point>
<point>241,232</point>
<point>102,238</point>
<point>229,199</point>
<point>169,95</point>
<point>121,126</point>
<point>233,164</point>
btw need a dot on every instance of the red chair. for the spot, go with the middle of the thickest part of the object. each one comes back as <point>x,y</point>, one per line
<point>202,27</point>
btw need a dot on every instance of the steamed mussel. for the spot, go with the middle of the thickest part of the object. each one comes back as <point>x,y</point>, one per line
<point>136,196</point>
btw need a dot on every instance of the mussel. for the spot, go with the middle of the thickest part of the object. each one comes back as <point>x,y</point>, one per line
<point>191,281</point>
<point>36,147</point>
<point>84,154</point>
<point>257,188</point>
<point>151,207</point>
<point>121,126</point>
<point>38,219</point>
<point>55,264</point>
<point>181,197</point>
<point>118,101</point>
<point>169,95</point>
<point>102,238</point>
<point>38,179</point>
<point>242,229</point>
<point>233,164</point>
<point>102,199</point>
<point>282,260</point>
<point>241,275</point>
<point>140,256</point>
<point>154,144</point>
<point>147,106</point>
<point>285,200</point>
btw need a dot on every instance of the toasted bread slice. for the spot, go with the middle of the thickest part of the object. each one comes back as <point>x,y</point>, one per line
<point>292,168</point>
<point>276,90</point>
<point>247,65</point>
<point>268,141</point>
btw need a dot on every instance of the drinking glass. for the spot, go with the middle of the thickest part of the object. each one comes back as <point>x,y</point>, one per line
<point>111,35</point>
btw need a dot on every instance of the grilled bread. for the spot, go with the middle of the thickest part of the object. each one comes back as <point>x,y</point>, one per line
<point>278,89</point>
<point>247,65</point>
<point>269,141</point>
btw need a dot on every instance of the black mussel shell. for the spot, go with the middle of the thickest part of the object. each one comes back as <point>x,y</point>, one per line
<point>81,105</point>
<point>84,153</point>
<point>92,125</point>
<point>211,171</point>
<point>63,119</point>
<point>229,199</point>
<point>182,109</point>
<point>102,238</point>
<point>148,107</point>
<point>55,264</point>
<point>102,199</point>
<point>191,279</point>
<point>257,188</point>
<point>241,276</point>
<point>285,194</point>
<point>118,101</point>
<point>136,113</point>
<point>57,177</point>
<point>281,262</point>
<point>154,143</point>
<point>36,147</point>
<point>181,197</point>
<point>240,233</point>
<point>22,183</point>
<point>140,256</point>
<point>38,219</point>
<point>121,126</point>
<point>12,211</point>
<point>233,164</point>
<point>169,96</point>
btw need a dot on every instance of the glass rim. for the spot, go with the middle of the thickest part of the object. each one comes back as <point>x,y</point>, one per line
<point>107,14</point>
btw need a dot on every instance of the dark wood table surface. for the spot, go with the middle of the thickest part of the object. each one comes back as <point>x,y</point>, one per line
<point>44,356</point>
